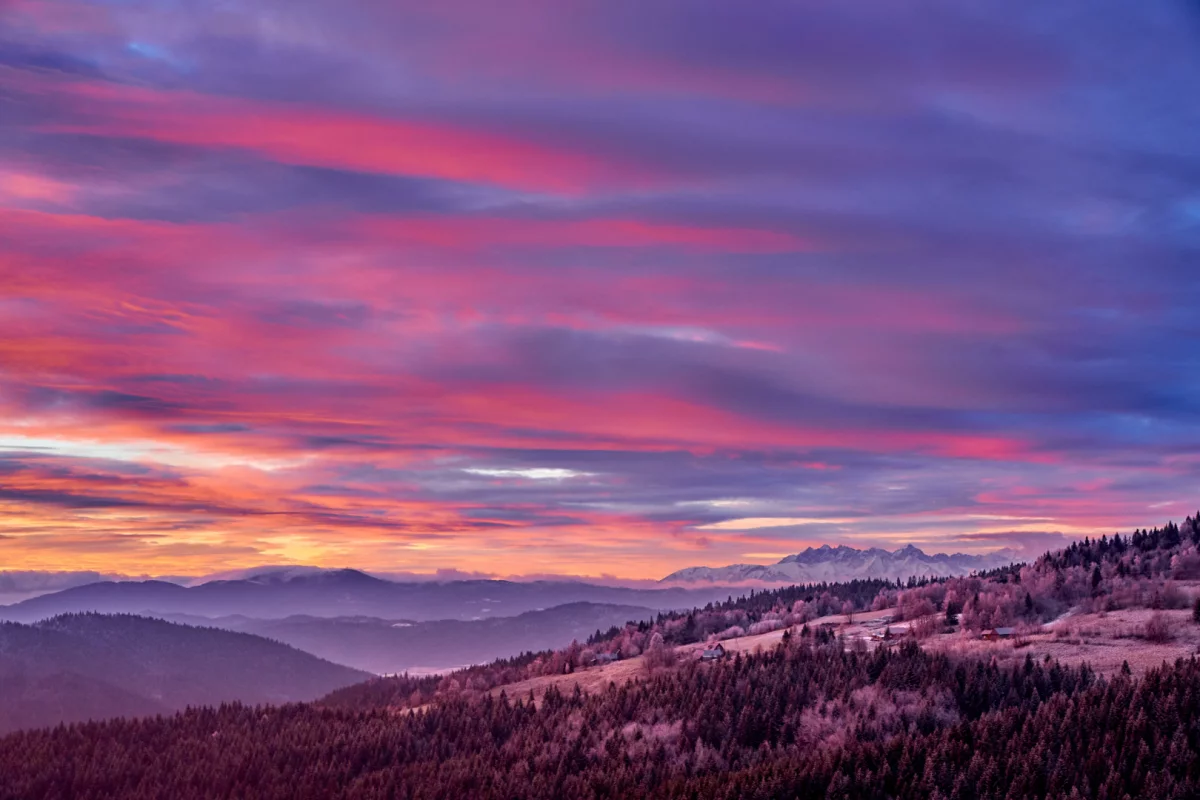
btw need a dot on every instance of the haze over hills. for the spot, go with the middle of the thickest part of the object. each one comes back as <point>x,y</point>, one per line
<point>18,585</point>
<point>393,646</point>
<point>344,593</point>
<point>829,564</point>
<point>280,592</point>
<point>385,626</point>
<point>91,666</point>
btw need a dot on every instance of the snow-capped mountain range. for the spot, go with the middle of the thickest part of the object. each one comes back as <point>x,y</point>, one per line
<point>830,564</point>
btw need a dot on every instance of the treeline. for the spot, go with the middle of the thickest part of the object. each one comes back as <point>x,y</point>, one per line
<point>760,611</point>
<point>810,719</point>
<point>1091,552</point>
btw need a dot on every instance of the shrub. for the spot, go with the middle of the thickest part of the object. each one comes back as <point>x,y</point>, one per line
<point>657,657</point>
<point>1158,629</point>
<point>925,627</point>
<point>765,626</point>
<point>1186,565</point>
<point>659,653</point>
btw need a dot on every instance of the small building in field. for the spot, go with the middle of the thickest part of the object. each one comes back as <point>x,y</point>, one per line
<point>992,634</point>
<point>606,658</point>
<point>714,653</point>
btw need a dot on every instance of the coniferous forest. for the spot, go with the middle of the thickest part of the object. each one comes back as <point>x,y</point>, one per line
<point>909,725</point>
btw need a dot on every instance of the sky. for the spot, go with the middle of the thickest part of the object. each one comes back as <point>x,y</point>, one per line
<point>595,288</point>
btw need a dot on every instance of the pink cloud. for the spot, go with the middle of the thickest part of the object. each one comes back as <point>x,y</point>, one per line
<point>296,134</point>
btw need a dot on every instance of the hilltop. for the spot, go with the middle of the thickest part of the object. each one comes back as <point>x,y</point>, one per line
<point>91,666</point>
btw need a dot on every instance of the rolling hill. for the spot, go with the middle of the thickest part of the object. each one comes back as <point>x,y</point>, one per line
<point>90,666</point>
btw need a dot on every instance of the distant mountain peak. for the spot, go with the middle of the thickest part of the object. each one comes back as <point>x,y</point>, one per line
<point>843,563</point>
<point>272,574</point>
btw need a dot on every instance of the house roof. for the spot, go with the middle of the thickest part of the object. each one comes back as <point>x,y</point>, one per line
<point>999,631</point>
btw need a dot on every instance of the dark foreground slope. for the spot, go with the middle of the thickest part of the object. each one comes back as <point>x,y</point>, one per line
<point>810,720</point>
<point>91,666</point>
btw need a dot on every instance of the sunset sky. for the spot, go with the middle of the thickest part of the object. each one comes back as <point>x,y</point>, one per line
<point>613,287</point>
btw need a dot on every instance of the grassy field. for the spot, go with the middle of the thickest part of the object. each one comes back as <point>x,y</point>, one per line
<point>1105,641</point>
<point>596,678</point>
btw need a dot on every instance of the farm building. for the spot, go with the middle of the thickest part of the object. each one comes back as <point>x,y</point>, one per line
<point>992,634</point>
<point>714,653</point>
